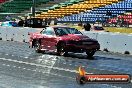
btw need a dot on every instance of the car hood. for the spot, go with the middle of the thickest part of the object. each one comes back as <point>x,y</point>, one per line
<point>75,37</point>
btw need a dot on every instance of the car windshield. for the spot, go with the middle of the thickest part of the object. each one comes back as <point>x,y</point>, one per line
<point>60,31</point>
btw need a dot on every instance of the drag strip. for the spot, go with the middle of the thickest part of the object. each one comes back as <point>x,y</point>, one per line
<point>38,65</point>
<point>21,67</point>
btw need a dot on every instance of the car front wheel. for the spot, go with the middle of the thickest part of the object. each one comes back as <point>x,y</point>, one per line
<point>90,53</point>
<point>37,46</point>
<point>61,49</point>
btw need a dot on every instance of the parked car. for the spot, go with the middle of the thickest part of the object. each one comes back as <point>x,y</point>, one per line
<point>97,28</point>
<point>34,23</point>
<point>62,40</point>
<point>9,24</point>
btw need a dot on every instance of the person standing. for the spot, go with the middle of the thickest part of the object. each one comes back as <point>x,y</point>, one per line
<point>87,27</point>
<point>20,23</point>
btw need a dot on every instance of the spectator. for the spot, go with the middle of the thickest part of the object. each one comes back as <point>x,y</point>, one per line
<point>55,21</point>
<point>26,22</point>
<point>87,27</point>
<point>20,23</point>
<point>49,21</point>
<point>46,21</point>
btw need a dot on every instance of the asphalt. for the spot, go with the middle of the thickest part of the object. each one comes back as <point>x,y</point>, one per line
<point>21,67</point>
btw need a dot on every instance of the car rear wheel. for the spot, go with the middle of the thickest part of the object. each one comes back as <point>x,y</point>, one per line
<point>90,53</point>
<point>37,46</point>
<point>61,49</point>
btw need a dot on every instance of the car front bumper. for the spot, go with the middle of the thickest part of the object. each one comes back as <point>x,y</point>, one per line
<point>81,48</point>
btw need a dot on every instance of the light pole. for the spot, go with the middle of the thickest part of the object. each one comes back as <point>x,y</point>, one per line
<point>33,8</point>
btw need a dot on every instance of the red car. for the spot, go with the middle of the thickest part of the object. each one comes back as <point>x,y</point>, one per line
<point>62,40</point>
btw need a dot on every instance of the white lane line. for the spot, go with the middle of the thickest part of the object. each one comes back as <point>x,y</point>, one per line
<point>64,63</point>
<point>19,67</point>
<point>6,54</point>
<point>12,55</point>
<point>34,70</point>
<point>8,65</point>
<point>3,64</point>
<point>14,66</point>
<point>24,68</point>
<point>25,57</point>
<point>116,87</point>
<point>28,69</point>
<point>62,76</point>
<point>39,65</point>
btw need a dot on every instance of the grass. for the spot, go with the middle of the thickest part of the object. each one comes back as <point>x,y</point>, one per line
<point>118,29</point>
<point>111,29</point>
<point>77,27</point>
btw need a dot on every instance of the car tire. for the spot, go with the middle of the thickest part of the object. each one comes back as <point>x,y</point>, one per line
<point>61,50</point>
<point>37,46</point>
<point>90,53</point>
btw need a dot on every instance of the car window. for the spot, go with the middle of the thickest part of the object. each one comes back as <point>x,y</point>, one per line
<point>74,31</point>
<point>60,31</point>
<point>48,31</point>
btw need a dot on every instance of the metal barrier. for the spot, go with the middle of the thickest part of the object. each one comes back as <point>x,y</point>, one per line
<point>91,34</point>
<point>3,33</point>
<point>19,34</point>
<point>114,42</point>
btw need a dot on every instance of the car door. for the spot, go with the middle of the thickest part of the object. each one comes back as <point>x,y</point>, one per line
<point>49,38</point>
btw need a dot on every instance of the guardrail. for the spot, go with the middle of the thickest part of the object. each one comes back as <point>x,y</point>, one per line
<point>114,42</point>
<point>19,34</point>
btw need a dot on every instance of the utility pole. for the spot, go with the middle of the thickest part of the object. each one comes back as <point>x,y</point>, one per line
<point>33,8</point>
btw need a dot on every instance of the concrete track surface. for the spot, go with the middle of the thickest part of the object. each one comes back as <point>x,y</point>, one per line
<point>21,67</point>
